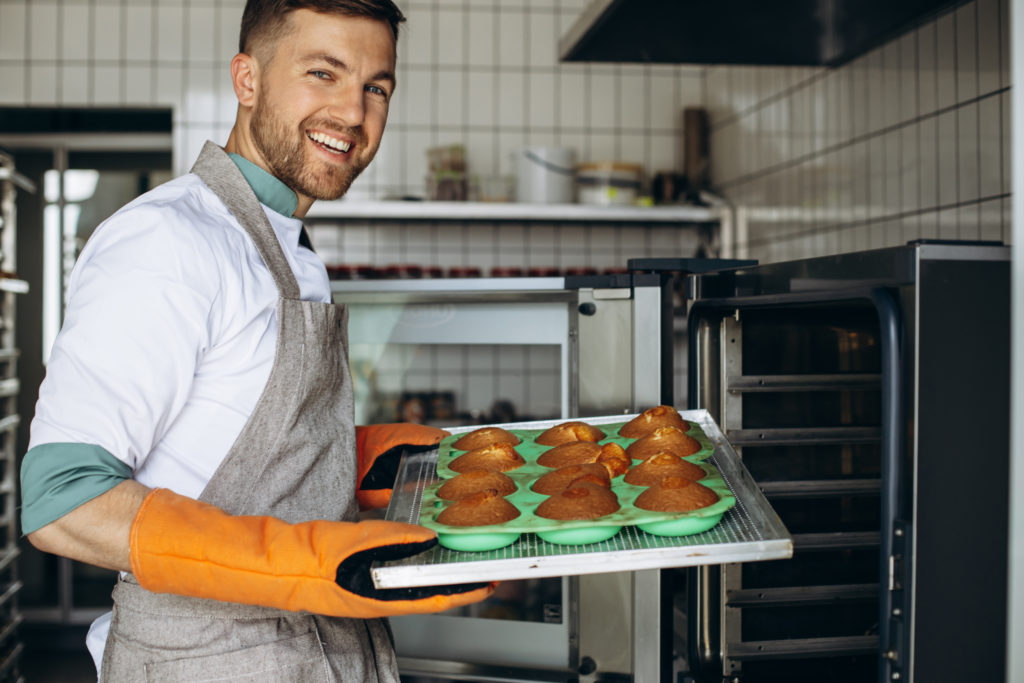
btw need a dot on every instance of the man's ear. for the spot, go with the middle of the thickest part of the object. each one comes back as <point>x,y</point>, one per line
<point>244,78</point>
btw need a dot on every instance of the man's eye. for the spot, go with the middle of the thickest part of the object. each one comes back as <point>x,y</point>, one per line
<point>323,75</point>
<point>377,90</point>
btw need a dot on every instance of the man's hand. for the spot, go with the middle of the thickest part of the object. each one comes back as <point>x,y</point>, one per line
<point>180,545</point>
<point>378,449</point>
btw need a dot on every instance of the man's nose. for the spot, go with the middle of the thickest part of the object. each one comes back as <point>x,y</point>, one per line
<point>348,107</point>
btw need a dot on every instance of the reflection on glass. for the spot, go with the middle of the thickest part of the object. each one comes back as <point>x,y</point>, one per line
<point>448,385</point>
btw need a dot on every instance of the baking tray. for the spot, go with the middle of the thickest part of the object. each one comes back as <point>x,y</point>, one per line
<point>749,531</point>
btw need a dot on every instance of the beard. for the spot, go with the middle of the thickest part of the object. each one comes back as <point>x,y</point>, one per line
<point>283,149</point>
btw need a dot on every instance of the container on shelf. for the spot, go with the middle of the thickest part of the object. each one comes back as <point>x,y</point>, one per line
<point>546,175</point>
<point>608,183</point>
<point>506,271</point>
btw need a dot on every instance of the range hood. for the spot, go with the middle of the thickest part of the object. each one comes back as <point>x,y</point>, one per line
<point>756,32</point>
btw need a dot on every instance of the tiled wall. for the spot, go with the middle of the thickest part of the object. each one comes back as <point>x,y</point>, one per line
<point>911,140</point>
<point>483,73</point>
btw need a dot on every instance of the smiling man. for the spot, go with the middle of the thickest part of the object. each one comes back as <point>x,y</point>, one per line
<point>195,427</point>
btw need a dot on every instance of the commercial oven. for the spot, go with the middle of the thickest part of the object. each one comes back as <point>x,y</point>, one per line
<point>868,395</point>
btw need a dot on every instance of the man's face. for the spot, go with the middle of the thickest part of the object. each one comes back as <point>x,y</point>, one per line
<point>323,100</point>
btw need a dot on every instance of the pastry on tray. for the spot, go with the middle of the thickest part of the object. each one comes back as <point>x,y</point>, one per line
<point>676,494</point>
<point>570,431</point>
<point>485,436</point>
<point>663,440</point>
<point>482,508</point>
<point>564,477</point>
<point>661,465</point>
<point>499,457</point>
<point>582,500</point>
<point>652,418</point>
<point>572,453</point>
<point>614,458</point>
<point>475,481</point>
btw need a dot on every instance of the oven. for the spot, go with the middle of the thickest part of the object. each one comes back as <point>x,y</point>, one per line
<point>868,396</point>
<point>455,352</point>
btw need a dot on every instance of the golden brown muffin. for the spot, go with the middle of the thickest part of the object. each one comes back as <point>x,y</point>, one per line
<point>572,453</point>
<point>570,431</point>
<point>675,494</point>
<point>663,440</point>
<point>499,457</point>
<point>482,508</point>
<point>485,436</point>
<point>564,477</point>
<point>476,480</point>
<point>614,458</point>
<point>580,501</point>
<point>661,465</point>
<point>652,418</point>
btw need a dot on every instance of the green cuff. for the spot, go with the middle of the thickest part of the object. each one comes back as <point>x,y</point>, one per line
<point>58,477</point>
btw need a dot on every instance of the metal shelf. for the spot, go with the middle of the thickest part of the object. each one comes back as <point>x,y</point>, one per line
<point>774,383</point>
<point>801,595</point>
<point>804,435</point>
<point>508,211</point>
<point>837,540</point>
<point>803,648</point>
<point>818,488</point>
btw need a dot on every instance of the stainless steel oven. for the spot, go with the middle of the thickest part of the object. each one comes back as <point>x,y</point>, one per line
<point>474,351</point>
<point>868,395</point>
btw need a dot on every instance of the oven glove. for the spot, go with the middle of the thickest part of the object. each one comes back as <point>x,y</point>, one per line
<point>183,546</point>
<point>379,452</point>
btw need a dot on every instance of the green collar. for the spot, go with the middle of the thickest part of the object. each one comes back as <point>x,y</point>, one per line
<point>269,190</point>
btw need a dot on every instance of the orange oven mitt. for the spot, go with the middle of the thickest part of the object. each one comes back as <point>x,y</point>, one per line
<point>183,546</point>
<point>378,449</point>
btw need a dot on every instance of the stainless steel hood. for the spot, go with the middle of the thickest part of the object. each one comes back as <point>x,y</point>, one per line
<point>793,32</point>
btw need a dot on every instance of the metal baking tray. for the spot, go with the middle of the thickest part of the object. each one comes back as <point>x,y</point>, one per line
<point>749,532</point>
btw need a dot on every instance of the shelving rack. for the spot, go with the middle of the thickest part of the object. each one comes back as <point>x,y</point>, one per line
<point>10,287</point>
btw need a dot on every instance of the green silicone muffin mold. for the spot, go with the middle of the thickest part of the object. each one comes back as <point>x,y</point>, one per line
<point>573,532</point>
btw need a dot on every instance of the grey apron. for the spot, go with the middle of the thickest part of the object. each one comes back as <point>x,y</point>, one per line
<point>295,460</point>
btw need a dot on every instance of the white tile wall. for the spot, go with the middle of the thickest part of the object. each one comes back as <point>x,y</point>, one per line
<point>905,142</point>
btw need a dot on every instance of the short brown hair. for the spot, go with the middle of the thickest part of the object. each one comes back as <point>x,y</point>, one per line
<point>267,19</point>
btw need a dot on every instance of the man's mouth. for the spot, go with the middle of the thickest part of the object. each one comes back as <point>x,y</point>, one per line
<point>330,143</point>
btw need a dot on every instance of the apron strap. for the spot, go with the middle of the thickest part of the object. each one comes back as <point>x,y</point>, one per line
<point>221,175</point>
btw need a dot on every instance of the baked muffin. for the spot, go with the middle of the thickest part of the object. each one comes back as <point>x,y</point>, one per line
<point>564,477</point>
<point>663,440</point>
<point>499,457</point>
<point>485,436</point>
<point>572,453</point>
<point>569,431</point>
<point>614,458</point>
<point>675,494</point>
<point>583,500</point>
<point>652,418</point>
<point>482,508</point>
<point>661,465</point>
<point>474,481</point>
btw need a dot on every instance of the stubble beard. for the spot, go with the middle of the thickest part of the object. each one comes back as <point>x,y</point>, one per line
<point>283,150</point>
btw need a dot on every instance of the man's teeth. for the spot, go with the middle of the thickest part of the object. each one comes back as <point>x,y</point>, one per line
<point>333,143</point>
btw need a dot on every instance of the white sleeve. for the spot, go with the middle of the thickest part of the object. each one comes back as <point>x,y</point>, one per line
<point>138,320</point>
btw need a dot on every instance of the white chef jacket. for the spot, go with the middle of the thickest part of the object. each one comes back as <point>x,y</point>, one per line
<point>168,340</point>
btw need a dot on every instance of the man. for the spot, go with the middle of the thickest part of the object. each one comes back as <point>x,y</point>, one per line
<point>196,418</point>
